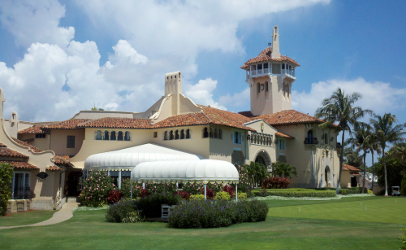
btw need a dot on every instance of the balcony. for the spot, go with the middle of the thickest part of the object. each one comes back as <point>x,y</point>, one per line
<point>289,72</point>
<point>311,141</point>
<point>258,73</point>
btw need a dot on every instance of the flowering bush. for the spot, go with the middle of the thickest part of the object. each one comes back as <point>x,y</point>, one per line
<point>243,183</point>
<point>95,189</point>
<point>209,193</point>
<point>144,193</point>
<point>161,187</point>
<point>123,211</point>
<point>229,189</point>
<point>276,182</point>
<point>126,188</point>
<point>114,196</point>
<point>185,195</point>
<point>222,195</point>
<point>197,187</point>
<point>206,214</point>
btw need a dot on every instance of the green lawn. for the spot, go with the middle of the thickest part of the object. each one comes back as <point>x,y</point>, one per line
<point>25,218</point>
<point>319,225</point>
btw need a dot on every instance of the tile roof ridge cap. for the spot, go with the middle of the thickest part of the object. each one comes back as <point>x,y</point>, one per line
<point>208,118</point>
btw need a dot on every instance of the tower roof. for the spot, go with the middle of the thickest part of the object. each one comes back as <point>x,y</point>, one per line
<point>265,56</point>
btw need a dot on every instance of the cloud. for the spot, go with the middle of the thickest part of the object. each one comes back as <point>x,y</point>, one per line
<point>378,96</point>
<point>202,93</point>
<point>35,21</point>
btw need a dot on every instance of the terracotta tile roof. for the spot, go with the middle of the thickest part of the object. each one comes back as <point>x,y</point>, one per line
<point>288,117</point>
<point>2,145</point>
<point>21,164</point>
<point>23,143</point>
<point>53,168</point>
<point>63,160</point>
<point>116,122</point>
<point>36,129</point>
<point>265,56</point>
<point>246,113</point>
<point>68,124</point>
<point>6,152</point>
<point>347,167</point>
<point>197,118</point>
<point>280,134</point>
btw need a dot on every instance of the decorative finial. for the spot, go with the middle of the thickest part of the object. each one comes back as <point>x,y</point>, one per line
<point>269,44</point>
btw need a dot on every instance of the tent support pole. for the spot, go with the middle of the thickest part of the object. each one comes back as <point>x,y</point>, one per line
<point>131,181</point>
<point>204,191</point>
<point>236,193</point>
<point>143,185</point>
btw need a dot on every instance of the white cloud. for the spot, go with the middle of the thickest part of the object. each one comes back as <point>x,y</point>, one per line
<point>202,93</point>
<point>380,97</point>
<point>35,21</point>
<point>236,101</point>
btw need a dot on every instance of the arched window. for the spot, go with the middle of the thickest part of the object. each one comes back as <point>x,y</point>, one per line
<point>182,134</point>
<point>98,135</point>
<point>220,134</point>
<point>127,136</point>
<point>266,87</point>
<point>106,135</point>
<point>215,133</point>
<point>211,133</point>
<point>259,87</point>
<point>171,137</point>
<point>309,136</point>
<point>177,135</point>
<point>166,135</point>
<point>187,133</point>
<point>325,138</point>
<point>120,136</point>
<point>205,133</point>
<point>113,135</point>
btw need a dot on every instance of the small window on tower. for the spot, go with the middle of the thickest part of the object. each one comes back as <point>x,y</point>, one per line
<point>259,87</point>
<point>266,87</point>
<point>155,134</point>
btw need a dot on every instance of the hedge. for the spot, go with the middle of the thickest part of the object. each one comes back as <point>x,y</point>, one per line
<point>6,177</point>
<point>295,192</point>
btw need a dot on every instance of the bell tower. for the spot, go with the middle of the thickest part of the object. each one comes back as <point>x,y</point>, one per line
<point>270,76</point>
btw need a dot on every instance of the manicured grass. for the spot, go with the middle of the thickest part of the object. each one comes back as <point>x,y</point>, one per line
<point>25,218</point>
<point>88,230</point>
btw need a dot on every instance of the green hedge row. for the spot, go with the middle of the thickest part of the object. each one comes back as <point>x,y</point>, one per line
<point>295,192</point>
<point>6,177</point>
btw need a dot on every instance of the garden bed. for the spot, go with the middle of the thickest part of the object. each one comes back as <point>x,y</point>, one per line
<point>294,192</point>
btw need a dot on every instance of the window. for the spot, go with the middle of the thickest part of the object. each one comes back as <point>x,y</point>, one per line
<point>113,136</point>
<point>325,138</point>
<point>211,133</point>
<point>182,134</point>
<point>106,135</point>
<point>21,185</point>
<point>220,134</point>
<point>120,136</point>
<point>165,135</point>
<point>155,134</point>
<point>282,144</point>
<point>187,133</point>
<point>205,133</point>
<point>215,133</point>
<point>309,136</point>
<point>98,135</point>
<point>237,137</point>
<point>171,135</point>
<point>71,141</point>
<point>259,87</point>
<point>276,68</point>
<point>266,87</point>
<point>40,135</point>
<point>177,135</point>
<point>127,136</point>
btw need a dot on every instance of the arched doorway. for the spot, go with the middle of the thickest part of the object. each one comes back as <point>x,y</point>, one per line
<point>260,160</point>
<point>264,158</point>
<point>327,176</point>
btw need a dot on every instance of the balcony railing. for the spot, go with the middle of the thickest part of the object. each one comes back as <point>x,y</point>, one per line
<point>311,141</point>
<point>288,72</point>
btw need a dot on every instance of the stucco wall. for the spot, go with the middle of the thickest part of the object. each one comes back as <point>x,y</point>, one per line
<point>59,140</point>
<point>42,143</point>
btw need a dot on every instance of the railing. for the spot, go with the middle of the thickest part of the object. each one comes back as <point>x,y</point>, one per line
<point>311,141</point>
<point>289,72</point>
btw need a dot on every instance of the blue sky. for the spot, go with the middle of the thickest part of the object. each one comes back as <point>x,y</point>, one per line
<point>59,57</point>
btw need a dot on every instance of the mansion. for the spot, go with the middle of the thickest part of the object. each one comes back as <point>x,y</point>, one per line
<point>49,158</point>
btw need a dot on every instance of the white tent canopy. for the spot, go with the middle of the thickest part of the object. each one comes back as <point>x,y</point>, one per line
<point>185,171</point>
<point>126,159</point>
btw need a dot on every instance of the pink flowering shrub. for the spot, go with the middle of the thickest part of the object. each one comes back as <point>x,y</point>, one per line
<point>126,189</point>
<point>230,190</point>
<point>276,182</point>
<point>96,189</point>
<point>243,183</point>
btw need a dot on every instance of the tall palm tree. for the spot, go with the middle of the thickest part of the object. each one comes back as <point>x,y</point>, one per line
<point>398,151</point>
<point>352,157</point>
<point>360,141</point>
<point>373,146</point>
<point>387,132</point>
<point>340,108</point>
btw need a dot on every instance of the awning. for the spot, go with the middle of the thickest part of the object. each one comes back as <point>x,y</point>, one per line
<point>126,159</point>
<point>185,171</point>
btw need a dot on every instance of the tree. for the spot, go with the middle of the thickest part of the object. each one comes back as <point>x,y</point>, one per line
<point>256,171</point>
<point>352,157</point>
<point>283,169</point>
<point>360,141</point>
<point>387,132</point>
<point>373,146</point>
<point>340,108</point>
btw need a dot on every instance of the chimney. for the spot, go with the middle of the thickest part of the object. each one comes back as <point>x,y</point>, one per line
<point>275,41</point>
<point>173,86</point>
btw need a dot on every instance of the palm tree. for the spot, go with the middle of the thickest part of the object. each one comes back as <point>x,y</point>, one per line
<point>360,141</point>
<point>340,108</point>
<point>398,151</point>
<point>352,157</point>
<point>387,132</point>
<point>373,146</point>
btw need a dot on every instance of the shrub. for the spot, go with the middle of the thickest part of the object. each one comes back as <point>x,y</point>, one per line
<point>295,192</point>
<point>276,182</point>
<point>126,188</point>
<point>123,211</point>
<point>242,195</point>
<point>6,177</point>
<point>354,190</point>
<point>403,185</point>
<point>243,183</point>
<point>144,193</point>
<point>197,197</point>
<point>114,196</point>
<point>208,214</point>
<point>185,195</point>
<point>150,206</point>
<point>192,187</point>
<point>229,189</point>
<point>95,189</point>
<point>263,193</point>
<point>223,195</point>
<point>403,239</point>
<point>161,187</point>
<point>209,193</point>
